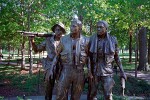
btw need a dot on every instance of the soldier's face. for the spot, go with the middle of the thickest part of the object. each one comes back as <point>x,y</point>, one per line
<point>74,28</point>
<point>101,29</point>
<point>58,31</point>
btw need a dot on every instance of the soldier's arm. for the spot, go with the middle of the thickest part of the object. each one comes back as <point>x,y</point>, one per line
<point>51,70</point>
<point>118,60</point>
<point>56,58</point>
<point>38,48</point>
<point>89,60</point>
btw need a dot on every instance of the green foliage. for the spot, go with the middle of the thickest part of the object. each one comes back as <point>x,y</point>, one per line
<point>134,86</point>
<point>19,98</point>
<point>29,84</point>
<point>140,88</point>
<point>126,64</point>
<point>40,15</point>
<point>119,98</point>
<point>1,98</point>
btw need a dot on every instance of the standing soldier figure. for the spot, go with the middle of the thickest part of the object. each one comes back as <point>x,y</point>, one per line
<point>50,45</point>
<point>73,53</point>
<point>103,51</point>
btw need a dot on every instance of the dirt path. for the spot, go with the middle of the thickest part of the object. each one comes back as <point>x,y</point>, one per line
<point>140,75</point>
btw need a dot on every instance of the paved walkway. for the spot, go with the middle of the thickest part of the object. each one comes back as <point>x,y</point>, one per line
<point>141,75</point>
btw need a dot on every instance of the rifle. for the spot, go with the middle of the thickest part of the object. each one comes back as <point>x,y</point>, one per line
<point>32,34</point>
<point>122,85</point>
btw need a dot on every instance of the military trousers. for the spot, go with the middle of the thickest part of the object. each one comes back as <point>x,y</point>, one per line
<point>51,83</point>
<point>49,88</point>
<point>107,85</point>
<point>71,76</point>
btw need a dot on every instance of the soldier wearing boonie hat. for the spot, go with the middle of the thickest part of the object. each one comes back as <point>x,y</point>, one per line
<point>61,25</point>
<point>50,44</point>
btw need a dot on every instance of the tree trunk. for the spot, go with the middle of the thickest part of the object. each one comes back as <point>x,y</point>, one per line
<point>23,38</point>
<point>136,51</point>
<point>90,26</point>
<point>29,51</point>
<point>122,50</point>
<point>18,52</point>
<point>130,48</point>
<point>1,55</point>
<point>31,56</point>
<point>9,51</point>
<point>13,49</point>
<point>149,50</point>
<point>23,54</point>
<point>30,44</point>
<point>43,53</point>
<point>142,49</point>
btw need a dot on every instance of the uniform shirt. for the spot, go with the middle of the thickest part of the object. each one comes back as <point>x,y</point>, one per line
<point>102,69</point>
<point>50,46</point>
<point>78,56</point>
<point>103,51</point>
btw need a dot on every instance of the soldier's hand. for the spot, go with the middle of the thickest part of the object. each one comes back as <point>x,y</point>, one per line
<point>32,39</point>
<point>49,74</point>
<point>123,75</point>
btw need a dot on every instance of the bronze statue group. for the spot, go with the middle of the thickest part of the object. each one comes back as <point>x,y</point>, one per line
<point>68,55</point>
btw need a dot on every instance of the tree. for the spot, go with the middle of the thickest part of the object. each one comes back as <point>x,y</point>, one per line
<point>122,15</point>
<point>142,49</point>
<point>149,49</point>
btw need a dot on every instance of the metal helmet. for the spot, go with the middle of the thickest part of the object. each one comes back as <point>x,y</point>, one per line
<point>76,19</point>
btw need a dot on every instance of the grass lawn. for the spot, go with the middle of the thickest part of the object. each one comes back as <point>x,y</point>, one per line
<point>12,76</point>
<point>21,81</point>
<point>134,87</point>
